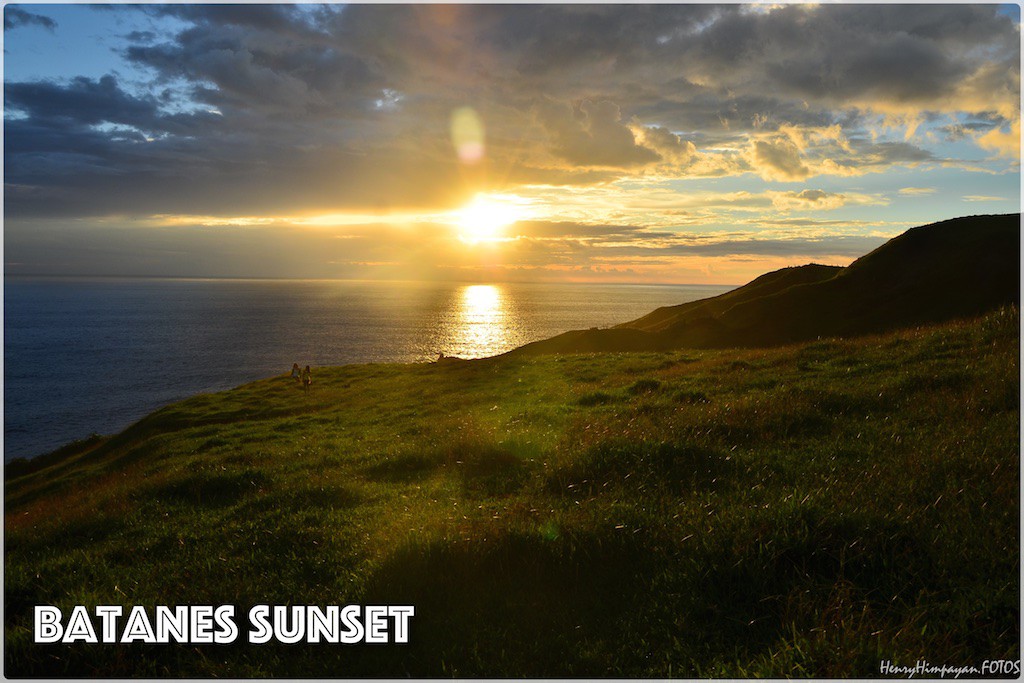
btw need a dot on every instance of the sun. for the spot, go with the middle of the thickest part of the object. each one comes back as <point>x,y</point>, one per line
<point>482,219</point>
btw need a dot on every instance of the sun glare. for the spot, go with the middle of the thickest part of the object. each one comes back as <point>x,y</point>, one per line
<point>483,219</point>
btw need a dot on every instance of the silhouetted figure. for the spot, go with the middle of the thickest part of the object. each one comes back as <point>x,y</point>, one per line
<point>307,379</point>
<point>296,373</point>
<point>440,356</point>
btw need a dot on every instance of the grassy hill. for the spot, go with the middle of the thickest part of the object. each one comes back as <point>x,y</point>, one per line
<point>805,510</point>
<point>943,271</point>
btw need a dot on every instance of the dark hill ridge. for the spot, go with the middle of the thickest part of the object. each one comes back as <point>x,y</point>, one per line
<point>776,281</point>
<point>943,271</point>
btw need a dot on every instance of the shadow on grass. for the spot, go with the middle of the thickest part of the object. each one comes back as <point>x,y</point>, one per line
<point>520,605</point>
<point>605,603</point>
<point>210,489</point>
<point>482,467</point>
<point>403,468</point>
<point>595,398</point>
<point>675,467</point>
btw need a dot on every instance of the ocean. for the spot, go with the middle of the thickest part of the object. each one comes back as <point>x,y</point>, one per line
<point>85,356</point>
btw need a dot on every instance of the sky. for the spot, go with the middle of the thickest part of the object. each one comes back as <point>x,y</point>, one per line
<point>488,143</point>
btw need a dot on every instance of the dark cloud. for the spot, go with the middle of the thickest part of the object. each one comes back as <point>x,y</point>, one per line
<point>259,71</point>
<point>83,101</point>
<point>287,19</point>
<point>811,195</point>
<point>598,242</point>
<point>837,246</point>
<point>562,38</point>
<point>90,174</point>
<point>895,67</point>
<point>141,36</point>
<point>564,230</point>
<point>885,153</point>
<point>272,106</point>
<point>15,17</point>
<point>808,200</point>
<point>959,131</point>
<point>912,53</point>
<point>526,174</point>
<point>592,134</point>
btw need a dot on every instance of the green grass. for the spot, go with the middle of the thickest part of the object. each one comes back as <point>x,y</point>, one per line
<point>802,511</point>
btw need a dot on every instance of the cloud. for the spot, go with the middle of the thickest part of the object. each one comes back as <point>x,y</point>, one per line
<point>265,61</point>
<point>592,134</point>
<point>895,67</point>
<point>1005,140</point>
<point>850,246</point>
<point>632,242</point>
<point>670,147</point>
<point>917,191</point>
<point>777,159</point>
<point>959,131</point>
<point>570,96</point>
<point>82,101</point>
<point>886,153</point>
<point>900,58</point>
<point>15,17</point>
<point>808,200</point>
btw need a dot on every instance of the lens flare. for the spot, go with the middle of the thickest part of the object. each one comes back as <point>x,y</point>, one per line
<point>467,135</point>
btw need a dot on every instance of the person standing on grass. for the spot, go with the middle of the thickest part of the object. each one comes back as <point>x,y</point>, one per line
<point>296,373</point>
<point>307,379</point>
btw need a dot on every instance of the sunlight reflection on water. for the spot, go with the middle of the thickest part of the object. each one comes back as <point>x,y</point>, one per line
<point>478,322</point>
<point>481,329</point>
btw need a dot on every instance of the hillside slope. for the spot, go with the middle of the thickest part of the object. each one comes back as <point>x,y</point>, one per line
<point>669,317</point>
<point>943,271</point>
<point>805,511</point>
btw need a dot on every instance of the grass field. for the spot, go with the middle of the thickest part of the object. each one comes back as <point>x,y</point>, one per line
<point>809,510</point>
